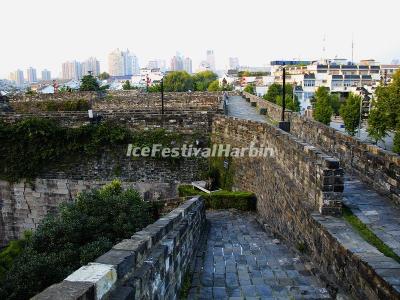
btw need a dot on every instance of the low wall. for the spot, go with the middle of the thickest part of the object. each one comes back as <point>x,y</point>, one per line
<point>124,100</point>
<point>316,174</point>
<point>377,167</point>
<point>183,121</point>
<point>149,265</point>
<point>287,203</point>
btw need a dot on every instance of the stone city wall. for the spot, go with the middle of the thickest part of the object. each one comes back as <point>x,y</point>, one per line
<point>378,167</point>
<point>318,175</point>
<point>374,165</point>
<point>180,121</point>
<point>149,265</point>
<point>123,100</point>
<point>23,205</point>
<point>287,205</point>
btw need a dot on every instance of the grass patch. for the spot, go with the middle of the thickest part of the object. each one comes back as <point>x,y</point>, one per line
<point>186,285</point>
<point>222,199</point>
<point>368,235</point>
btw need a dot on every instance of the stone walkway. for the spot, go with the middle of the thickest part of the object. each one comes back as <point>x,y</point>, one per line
<point>238,107</point>
<point>239,260</point>
<point>374,210</point>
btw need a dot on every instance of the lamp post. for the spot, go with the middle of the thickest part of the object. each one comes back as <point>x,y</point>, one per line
<point>283,94</point>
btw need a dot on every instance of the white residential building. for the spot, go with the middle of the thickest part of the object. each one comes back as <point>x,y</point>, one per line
<point>233,63</point>
<point>211,59</point>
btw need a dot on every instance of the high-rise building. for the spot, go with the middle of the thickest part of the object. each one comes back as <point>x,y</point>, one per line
<point>187,65</point>
<point>46,75</point>
<point>17,77</point>
<point>116,63</point>
<point>91,65</point>
<point>233,63</point>
<point>31,75</point>
<point>122,63</point>
<point>72,70</point>
<point>211,59</point>
<point>177,63</point>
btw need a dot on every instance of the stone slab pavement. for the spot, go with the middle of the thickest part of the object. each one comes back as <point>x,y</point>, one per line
<point>240,260</point>
<point>238,107</point>
<point>376,211</point>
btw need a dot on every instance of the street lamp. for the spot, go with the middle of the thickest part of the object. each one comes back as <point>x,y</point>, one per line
<point>283,93</point>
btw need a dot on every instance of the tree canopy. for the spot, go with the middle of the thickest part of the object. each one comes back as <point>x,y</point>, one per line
<point>322,110</point>
<point>104,76</point>
<point>274,95</point>
<point>89,83</point>
<point>202,80</point>
<point>350,113</point>
<point>178,81</point>
<point>385,113</point>
<point>250,88</point>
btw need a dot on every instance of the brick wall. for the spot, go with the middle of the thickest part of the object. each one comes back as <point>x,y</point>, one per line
<point>149,265</point>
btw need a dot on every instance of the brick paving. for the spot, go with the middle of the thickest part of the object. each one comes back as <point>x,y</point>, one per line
<point>240,260</point>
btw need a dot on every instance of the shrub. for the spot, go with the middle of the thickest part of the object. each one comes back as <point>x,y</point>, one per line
<point>222,199</point>
<point>82,231</point>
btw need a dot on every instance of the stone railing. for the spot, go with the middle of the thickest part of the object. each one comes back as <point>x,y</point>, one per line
<point>265,107</point>
<point>378,167</point>
<point>316,174</point>
<point>149,265</point>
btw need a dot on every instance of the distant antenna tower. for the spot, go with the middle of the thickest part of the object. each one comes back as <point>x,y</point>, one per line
<point>324,47</point>
<point>352,49</point>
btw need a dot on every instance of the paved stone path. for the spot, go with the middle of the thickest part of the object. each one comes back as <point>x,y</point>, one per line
<point>374,210</point>
<point>238,107</point>
<point>239,260</point>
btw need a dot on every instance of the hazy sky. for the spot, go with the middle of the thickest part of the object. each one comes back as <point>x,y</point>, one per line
<point>44,33</point>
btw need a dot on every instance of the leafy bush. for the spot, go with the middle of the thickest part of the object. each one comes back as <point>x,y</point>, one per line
<point>81,232</point>
<point>222,199</point>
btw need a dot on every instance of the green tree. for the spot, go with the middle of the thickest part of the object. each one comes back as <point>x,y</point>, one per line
<point>250,88</point>
<point>385,112</point>
<point>214,86</point>
<point>127,85</point>
<point>350,113</point>
<point>82,231</point>
<point>202,80</point>
<point>273,92</point>
<point>104,76</point>
<point>178,81</point>
<point>322,110</point>
<point>89,83</point>
<point>334,100</point>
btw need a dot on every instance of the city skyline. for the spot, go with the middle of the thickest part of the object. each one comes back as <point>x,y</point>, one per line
<point>297,37</point>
